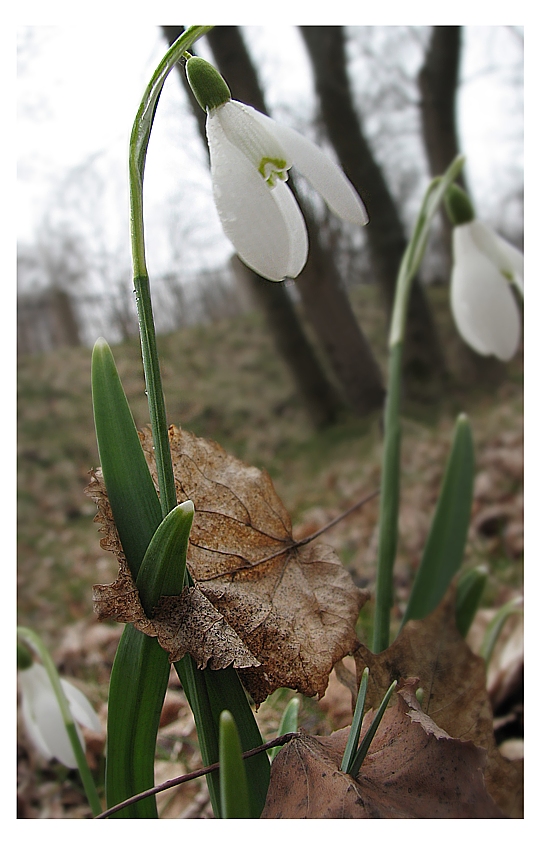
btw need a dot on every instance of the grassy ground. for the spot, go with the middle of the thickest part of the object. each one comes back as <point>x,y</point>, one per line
<point>226,383</point>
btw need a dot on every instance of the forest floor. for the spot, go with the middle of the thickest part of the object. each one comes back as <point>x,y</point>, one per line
<point>224,382</point>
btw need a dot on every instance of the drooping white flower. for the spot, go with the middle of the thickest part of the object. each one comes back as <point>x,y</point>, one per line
<point>250,156</point>
<point>483,304</point>
<point>43,719</point>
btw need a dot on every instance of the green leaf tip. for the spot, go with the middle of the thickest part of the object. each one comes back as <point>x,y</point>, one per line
<point>208,86</point>
<point>164,564</point>
<point>232,771</point>
<point>470,588</point>
<point>354,734</point>
<point>288,723</point>
<point>445,545</point>
<point>363,748</point>
<point>134,501</point>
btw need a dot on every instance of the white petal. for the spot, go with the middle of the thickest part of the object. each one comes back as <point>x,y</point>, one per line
<point>43,719</point>
<point>51,726</point>
<point>325,176</point>
<point>484,308</point>
<point>263,226</point>
<point>249,136</point>
<point>32,731</point>
<point>81,709</point>
<point>298,238</point>
<point>506,257</point>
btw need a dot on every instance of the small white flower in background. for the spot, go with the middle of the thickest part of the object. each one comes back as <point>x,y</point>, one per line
<point>485,268</point>
<point>43,719</point>
<point>250,156</point>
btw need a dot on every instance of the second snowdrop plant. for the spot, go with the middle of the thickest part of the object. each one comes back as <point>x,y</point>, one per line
<point>53,711</point>
<point>250,156</point>
<point>485,267</point>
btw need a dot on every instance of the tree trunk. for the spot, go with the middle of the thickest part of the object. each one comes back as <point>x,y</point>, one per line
<point>438,81</point>
<point>325,301</point>
<point>318,394</point>
<point>424,366</point>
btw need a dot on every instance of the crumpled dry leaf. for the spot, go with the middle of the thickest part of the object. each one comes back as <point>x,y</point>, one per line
<point>413,770</point>
<point>455,697</point>
<point>183,623</point>
<point>294,608</point>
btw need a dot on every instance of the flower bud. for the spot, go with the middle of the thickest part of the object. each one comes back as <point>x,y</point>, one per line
<point>208,86</point>
<point>24,658</point>
<point>458,206</point>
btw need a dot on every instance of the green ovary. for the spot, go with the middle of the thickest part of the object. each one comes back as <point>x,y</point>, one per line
<point>272,169</point>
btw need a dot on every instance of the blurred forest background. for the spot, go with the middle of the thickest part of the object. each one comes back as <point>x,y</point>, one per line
<point>286,376</point>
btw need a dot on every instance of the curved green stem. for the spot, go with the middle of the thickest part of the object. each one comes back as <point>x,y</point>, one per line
<point>389,507</point>
<point>138,147</point>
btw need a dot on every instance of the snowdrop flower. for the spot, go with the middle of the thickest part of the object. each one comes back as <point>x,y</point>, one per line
<point>250,156</point>
<point>43,719</point>
<point>485,266</point>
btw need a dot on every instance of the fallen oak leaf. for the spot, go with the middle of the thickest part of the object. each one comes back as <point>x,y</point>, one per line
<point>453,680</point>
<point>293,606</point>
<point>413,770</point>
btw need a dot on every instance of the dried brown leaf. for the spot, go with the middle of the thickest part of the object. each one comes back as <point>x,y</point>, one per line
<point>413,770</point>
<point>453,680</point>
<point>294,608</point>
<point>184,623</point>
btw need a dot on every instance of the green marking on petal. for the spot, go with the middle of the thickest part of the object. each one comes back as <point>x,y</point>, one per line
<point>272,169</point>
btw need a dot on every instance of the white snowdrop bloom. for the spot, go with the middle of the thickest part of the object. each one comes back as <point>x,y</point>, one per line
<point>250,156</point>
<point>483,304</point>
<point>43,719</point>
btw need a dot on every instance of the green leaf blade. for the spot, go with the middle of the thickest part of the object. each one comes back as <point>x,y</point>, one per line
<point>232,772</point>
<point>356,726</point>
<point>287,724</point>
<point>446,541</point>
<point>131,491</point>
<point>137,689</point>
<point>469,593</point>
<point>163,568</point>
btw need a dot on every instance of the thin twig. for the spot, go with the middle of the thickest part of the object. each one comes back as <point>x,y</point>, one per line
<point>168,784</point>
<point>334,521</point>
<point>305,540</point>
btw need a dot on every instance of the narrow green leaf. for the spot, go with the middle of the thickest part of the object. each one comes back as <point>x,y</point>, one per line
<point>445,545</point>
<point>470,587</point>
<point>225,692</point>
<point>288,723</point>
<point>232,772</point>
<point>137,689</point>
<point>163,568</point>
<point>370,733</point>
<point>131,491</point>
<point>141,672</point>
<point>141,668</point>
<point>209,692</point>
<point>354,733</point>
